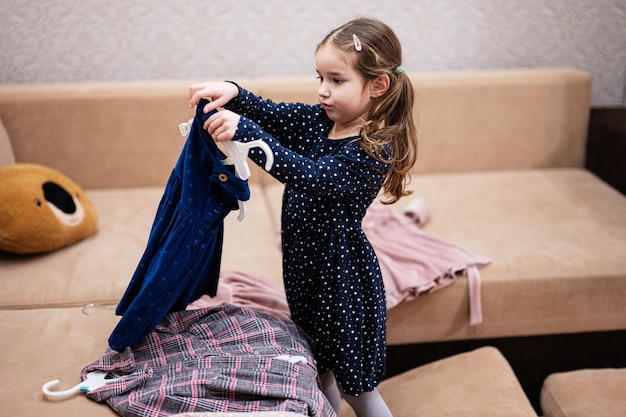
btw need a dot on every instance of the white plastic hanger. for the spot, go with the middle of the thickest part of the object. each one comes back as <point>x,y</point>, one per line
<point>239,154</point>
<point>238,157</point>
<point>95,380</point>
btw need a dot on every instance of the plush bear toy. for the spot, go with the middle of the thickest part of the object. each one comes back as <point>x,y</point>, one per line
<point>41,209</point>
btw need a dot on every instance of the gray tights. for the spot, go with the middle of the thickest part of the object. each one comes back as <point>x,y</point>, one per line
<point>368,404</point>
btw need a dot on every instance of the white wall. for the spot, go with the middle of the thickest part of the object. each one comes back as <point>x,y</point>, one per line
<point>76,40</point>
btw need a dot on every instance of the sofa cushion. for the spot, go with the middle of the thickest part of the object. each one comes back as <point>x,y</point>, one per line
<point>544,231</point>
<point>42,345</point>
<point>473,384</point>
<point>95,270</point>
<point>98,269</point>
<point>585,393</point>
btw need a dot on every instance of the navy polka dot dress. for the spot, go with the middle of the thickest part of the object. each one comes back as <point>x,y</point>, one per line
<point>332,278</point>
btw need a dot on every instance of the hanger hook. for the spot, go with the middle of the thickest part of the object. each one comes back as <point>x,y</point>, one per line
<point>94,380</point>
<point>59,395</point>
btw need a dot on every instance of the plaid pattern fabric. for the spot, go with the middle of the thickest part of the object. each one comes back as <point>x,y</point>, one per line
<point>222,359</point>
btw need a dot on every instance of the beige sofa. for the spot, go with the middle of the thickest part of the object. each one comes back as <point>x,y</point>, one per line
<point>501,168</point>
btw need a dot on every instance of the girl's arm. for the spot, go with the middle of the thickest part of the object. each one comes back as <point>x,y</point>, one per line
<point>349,169</point>
<point>284,121</point>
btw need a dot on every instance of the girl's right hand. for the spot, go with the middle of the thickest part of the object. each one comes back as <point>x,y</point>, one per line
<point>222,125</point>
<point>219,93</point>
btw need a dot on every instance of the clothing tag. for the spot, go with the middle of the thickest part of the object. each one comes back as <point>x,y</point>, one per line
<point>185,128</point>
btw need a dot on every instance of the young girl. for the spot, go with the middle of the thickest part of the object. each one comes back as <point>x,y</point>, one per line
<point>334,158</point>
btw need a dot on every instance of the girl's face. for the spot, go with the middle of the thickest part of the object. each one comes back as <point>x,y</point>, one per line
<point>343,92</point>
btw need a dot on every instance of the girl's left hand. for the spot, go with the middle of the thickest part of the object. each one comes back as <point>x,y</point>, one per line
<point>222,125</point>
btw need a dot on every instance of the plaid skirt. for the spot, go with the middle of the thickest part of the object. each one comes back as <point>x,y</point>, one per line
<point>222,359</point>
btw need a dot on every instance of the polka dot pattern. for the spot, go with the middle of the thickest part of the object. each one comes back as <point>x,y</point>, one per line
<point>332,277</point>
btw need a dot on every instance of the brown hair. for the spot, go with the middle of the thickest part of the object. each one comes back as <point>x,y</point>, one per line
<point>390,120</point>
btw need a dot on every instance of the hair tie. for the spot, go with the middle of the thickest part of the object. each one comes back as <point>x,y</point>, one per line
<point>357,43</point>
<point>398,69</point>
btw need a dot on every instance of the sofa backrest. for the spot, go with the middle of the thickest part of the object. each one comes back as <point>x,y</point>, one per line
<point>99,134</point>
<point>123,134</point>
<point>502,120</point>
<point>486,120</point>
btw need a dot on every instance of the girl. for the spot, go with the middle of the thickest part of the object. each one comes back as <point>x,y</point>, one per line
<point>334,158</point>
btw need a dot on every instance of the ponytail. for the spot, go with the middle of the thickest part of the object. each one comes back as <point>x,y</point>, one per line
<point>391,124</point>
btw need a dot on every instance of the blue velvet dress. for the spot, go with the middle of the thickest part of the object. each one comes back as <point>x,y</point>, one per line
<point>331,274</point>
<point>182,258</point>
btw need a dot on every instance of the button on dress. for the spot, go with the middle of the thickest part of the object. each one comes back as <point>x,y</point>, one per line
<point>331,274</point>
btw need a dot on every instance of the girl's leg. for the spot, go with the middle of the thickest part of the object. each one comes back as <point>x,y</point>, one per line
<point>331,390</point>
<point>369,404</point>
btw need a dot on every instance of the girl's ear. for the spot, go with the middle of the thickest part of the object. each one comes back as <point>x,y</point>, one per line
<point>379,86</point>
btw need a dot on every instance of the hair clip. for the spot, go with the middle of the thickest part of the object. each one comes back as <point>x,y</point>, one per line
<point>357,43</point>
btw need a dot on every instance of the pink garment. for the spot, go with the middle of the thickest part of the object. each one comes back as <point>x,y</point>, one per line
<point>413,262</point>
<point>244,289</point>
<point>418,211</point>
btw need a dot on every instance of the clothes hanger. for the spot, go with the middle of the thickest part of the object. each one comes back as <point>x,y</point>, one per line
<point>94,380</point>
<point>238,157</point>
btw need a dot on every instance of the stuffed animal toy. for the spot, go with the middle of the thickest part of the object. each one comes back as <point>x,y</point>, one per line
<point>41,209</point>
